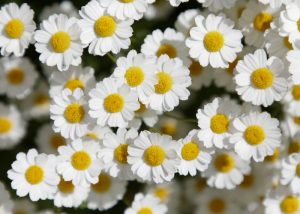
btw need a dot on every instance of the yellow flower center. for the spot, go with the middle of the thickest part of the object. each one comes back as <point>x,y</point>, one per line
<point>5,125</point>
<point>195,69</point>
<point>254,135</point>
<point>154,155</point>
<point>296,120</point>
<point>262,21</point>
<point>56,141</point>
<point>224,163</point>
<point>287,43</point>
<point>294,147</point>
<point>213,41</point>
<point>161,193</point>
<point>219,123</point>
<point>134,76</point>
<point>296,92</point>
<point>74,113</point>
<point>74,83</point>
<point>34,175</point>
<point>232,66</point>
<point>60,42</point>
<point>121,153</point>
<point>105,26</point>
<point>127,1</point>
<point>169,129</point>
<point>145,210</point>
<point>66,186</point>
<point>262,78</point>
<point>290,204</point>
<point>41,99</point>
<point>165,83</point>
<point>92,135</point>
<point>14,28</point>
<point>167,49</point>
<point>81,160</point>
<point>114,103</point>
<point>103,184</point>
<point>142,109</point>
<point>247,182</point>
<point>16,76</point>
<point>298,24</point>
<point>190,151</point>
<point>274,156</point>
<point>217,205</point>
<point>298,170</point>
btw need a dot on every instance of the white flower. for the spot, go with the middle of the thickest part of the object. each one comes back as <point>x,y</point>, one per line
<point>290,172</point>
<point>259,80</point>
<point>102,32</point>
<point>217,5</point>
<point>34,174</point>
<point>6,203</point>
<point>153,157</point>
<point>64,7</point>
<point>186,20</point>
<point>213,41</point>
<point>293,58</point>
<point>58,42</point>
<point>17,28</point>
<point>291,100</point>
<point>96,132</point>
<point>201,76</point>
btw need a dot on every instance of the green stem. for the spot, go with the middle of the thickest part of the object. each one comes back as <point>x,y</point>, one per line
<point>111,57</point>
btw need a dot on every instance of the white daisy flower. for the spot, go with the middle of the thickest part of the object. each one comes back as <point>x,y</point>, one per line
<point>193,154</point>
<point>217,5</point>
<point>293,59</point>
<point>226,171</point>
<point>64,7</point>
<point>294,144</point>
<point>153,157</point>
<point>58,42</point>
<point>114,153</point>
<point>201,76</point>
<point>103,32</point>
<point>186,20</point>
<point>96,132</point>
<point>213,41</point>
<point>12,126</point>
<point>78,162</point>
<point>235,12</point>
<point>17,77</point>
<point>291,100</point>
<point>70,114</point>
<point>112,103</point>
<point>138,72</point>
<point>106,193</point>
<point>6,203</point>
<point>34,174</point>
<point>214,121</point>
<point>146,204</point>
<point>17,28</point>
<point>290,172</point>
<point>24,206</point>
<point>290,125</point>
<point>260,80</point>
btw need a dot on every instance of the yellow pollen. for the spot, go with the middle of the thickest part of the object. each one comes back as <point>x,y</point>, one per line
<point>167,49</point>
<point>154,155</point>
<point>41,99</point>
<point>224,163</point>
<point>34,175</point>
<point>169,129</point>
<point>105,26</point>
<point>296,120</point>
<point>213,41</point>
<point>14,28</point>
<point>121,153</point>
<point>145,210</point>
<point>298,170</point>
<point>217,205</point>
<point>219,123</point>
<point>5,125</point>
<point>142,109</point>
<point>74,83</point>
<point>16,76</point>
<point>114,103</point>
<point>247,182</point>
<point>190,151</point>
<point>254,135</point>
<point>60,42</point>
<point>195,69</point>
<point>74,113</point>
<point>161,193</point>
<point>165,83</point>
<point>56,141</point>
<point>92,135</point>
<point>262,78</point>
<point>81,160</point>
<point>294,147</point>
<point>296,92</point>
<point>290,204</point>
<point>127,1</point>
<point>262,21</point>
<point>298,24</point>
<point>200,184</point>
<point>287,43</point>
<point>274,156</point>
<point>232,66</point>
<point>66,186</point>
<point>134,76</point>
<point>103,184</point>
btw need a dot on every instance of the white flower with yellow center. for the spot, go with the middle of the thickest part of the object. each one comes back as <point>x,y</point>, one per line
<point>102,32</point>
<point>17,28</point>
<point>106,193</point>
<point>214,121</point>
<point>113,103</point>
<point>75,77</point>
<point>138,72</point>
<point>146,204</point>
<point>227,170</point>
<point>34,174</point>
<point>186,20</point>
<point>96,132</point>
<point>78,162</point>
<point>69,112</point>
<point>169,42</point>
<point>201,76</point>
<point>217,5</point>
<point>293,58</point>
<point>114,153</point>
<point>255,135</point>
<point>260,80</point>
<point>173,81</point>
<point>17,77</point>
<point>290,172</point>
<point>64,7</point>
<point>58,42</point>
<point>6,203</point>
<point>153,157</point>
<point>213,41</point>
<point>291,100</point>
<point>12,126</point>
<point>193,154</point>
<point>235,12</point>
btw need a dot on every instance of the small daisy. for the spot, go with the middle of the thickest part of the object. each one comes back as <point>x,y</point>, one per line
<point>193,154</point>
<point>70,114</point>
<point>34,174</point>
<point>64,7</point>
<point>6,203</point>
<point>213,41</point>
<point>113,103</point>
<point>153,157</point>
<point>291,100</point>
<point>235,12</point>
<point>201,76</point>
<point>294,144</point>
<point>217,5</point>
<point>17,28</point>
<point>103,32</point>
<point>96,132</point>
<point>293,58</point>
<point>17,77</point>
<point>106,193</point>
<point>290,125</point>
<point>58,42</point>
<point>260,80</point>
<point>146,204</point>
<point>290,172</point>
<point>186,20</point>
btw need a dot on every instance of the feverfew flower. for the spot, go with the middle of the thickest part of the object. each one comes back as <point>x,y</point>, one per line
<point>186,20</point>
<point>290,172</point>
<point>293,59</point>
